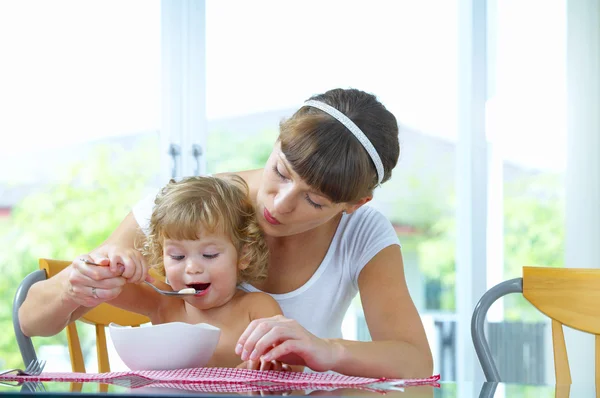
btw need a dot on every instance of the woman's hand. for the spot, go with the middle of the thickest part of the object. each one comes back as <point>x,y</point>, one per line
<point>283,339</point>
<point>92,284</point>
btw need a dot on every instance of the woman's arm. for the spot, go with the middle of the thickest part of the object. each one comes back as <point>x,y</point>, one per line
<point>52,304</point>
<point>47,309</point>
<point>399,348</point>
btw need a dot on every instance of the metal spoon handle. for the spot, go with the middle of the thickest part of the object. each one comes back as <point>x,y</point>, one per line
<point>163,292</point>
<point>167,293</point>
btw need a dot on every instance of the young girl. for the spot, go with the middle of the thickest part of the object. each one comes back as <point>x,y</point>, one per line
<point>203,235</point>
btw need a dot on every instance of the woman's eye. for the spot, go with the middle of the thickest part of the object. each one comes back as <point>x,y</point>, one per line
<point>313,204</point>
<point>276,170</point>
<point>177,258</point>
<point>210,255</point>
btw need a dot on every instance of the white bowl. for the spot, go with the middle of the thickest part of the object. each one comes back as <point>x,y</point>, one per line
<point>174,345</point>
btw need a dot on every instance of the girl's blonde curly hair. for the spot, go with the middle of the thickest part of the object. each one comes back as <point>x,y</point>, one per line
<point>217,205</point>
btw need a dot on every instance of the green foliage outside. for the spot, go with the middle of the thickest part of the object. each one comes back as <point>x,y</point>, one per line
<point>533,231</point>
<point>534,234</point>
<point>68,217</point>
<point>233,152</point>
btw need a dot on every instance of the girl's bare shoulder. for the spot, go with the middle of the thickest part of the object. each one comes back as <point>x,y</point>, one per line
<point>260,305</point>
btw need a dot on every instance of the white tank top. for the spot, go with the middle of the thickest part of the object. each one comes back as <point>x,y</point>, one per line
<point>321,303</point>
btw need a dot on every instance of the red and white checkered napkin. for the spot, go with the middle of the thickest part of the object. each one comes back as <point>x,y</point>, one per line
<point>223,375</point>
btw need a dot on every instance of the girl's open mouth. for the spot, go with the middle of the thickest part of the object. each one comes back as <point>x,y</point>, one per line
<point>201,288</point>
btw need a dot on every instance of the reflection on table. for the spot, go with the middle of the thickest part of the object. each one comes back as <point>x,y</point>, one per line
<point>446,390</point>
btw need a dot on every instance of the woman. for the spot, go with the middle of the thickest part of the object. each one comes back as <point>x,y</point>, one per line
<point>324,247</point>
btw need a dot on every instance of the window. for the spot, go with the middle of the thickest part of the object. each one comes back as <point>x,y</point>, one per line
<point>81,114</point>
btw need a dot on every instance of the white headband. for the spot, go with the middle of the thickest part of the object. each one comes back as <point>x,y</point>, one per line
<point>360,136</point>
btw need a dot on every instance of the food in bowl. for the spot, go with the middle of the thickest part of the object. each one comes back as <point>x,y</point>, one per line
<point>173,345</point>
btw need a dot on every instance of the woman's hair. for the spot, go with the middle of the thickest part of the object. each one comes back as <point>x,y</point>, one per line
<point>328,157</point>
<point>217,205</point>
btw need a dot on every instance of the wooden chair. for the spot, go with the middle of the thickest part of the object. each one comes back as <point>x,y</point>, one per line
<point>568,296</point>
<point>100,316</point>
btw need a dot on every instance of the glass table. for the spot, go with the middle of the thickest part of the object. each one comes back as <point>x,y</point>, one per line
<point>445,390</point>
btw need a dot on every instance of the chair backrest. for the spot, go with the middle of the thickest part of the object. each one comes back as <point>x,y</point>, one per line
<point>99,316</point>
<point>24,342</point>
<point>568,296</point>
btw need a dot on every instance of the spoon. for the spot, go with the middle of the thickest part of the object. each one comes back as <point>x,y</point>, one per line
<point>183,292</point>
<point>188,291</point>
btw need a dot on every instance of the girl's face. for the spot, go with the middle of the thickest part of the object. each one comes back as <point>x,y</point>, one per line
<point>209,264</point>
<point>286,205</point>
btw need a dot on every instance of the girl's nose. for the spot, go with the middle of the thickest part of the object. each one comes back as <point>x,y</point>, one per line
<point>194,267</point>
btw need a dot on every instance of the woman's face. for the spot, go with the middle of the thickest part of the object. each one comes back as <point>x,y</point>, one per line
<point>209,265</point>
<point>286,205</point>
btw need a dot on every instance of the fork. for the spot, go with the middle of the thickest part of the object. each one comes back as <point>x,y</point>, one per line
<point>33,387</point>
<point>34,368</point>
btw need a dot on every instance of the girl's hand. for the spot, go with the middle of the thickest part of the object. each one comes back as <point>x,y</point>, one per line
<point>128,261</point>
<point>283,339</point>
<point>264,365</point>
